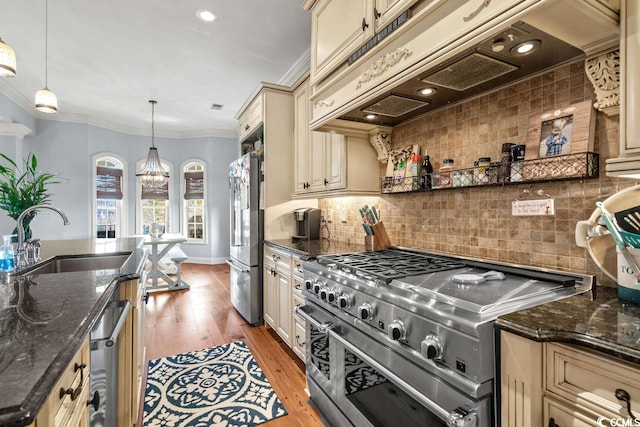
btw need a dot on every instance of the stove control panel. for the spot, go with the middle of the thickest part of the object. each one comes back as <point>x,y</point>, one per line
<point>431,348</point>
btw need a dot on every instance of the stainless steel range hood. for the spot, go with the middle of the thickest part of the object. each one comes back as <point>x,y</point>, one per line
<point>491,64</point>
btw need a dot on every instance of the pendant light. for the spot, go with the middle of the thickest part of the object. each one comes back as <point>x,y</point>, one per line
<point>46,101</point>
<point>7,60</point>
<point>153,175</point>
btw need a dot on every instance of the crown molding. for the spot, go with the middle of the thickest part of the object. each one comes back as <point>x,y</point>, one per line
<point>14,129</point>
<point>297,70</point>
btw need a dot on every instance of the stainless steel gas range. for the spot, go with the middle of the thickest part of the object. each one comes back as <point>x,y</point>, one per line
<point>402,337</point>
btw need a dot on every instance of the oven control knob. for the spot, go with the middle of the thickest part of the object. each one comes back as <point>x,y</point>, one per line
<point>461,417</point>
<point>324,292</point>
<point>316,288</point>
<point>396,330</point>
<point>308,285</point>
<point>331,296</point>
<point>431,347</point>
<point>344,302</point>
<point>365,311</point>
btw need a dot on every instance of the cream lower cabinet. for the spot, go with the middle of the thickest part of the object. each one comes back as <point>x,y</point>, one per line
<point>299,331</point>
<point>132,351</point>
<point>277,292</point>
<point>552,384</point>
<point>282,293</point>
<point>66,406</point>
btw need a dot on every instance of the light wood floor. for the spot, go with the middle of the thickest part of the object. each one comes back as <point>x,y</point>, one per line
<point>202,317</point>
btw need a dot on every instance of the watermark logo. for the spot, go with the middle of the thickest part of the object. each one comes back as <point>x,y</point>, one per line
<point>618,422</point>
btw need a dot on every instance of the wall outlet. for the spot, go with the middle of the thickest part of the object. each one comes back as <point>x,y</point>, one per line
<point>328,215</point>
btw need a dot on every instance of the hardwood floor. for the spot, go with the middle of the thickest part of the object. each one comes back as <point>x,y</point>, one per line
<point>202,317</point>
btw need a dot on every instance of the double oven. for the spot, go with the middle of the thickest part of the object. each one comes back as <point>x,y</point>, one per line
<point>372,385</point>
<point>401,337</point>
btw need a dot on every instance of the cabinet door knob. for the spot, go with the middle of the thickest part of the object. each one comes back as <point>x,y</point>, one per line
<point>624,396</point>
<point>364,24</point>
<point>95,402</point>
<point>325,181</point>
<point>376,13</point>
<point>552,423</point>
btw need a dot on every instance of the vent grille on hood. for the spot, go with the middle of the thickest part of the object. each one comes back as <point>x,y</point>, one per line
<point>395,106</point>
<point>469,71</point>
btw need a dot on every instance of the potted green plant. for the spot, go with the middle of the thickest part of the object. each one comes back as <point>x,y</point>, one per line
<point>20,190</point>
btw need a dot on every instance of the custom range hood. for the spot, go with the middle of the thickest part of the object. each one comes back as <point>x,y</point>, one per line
<point>498,60</point>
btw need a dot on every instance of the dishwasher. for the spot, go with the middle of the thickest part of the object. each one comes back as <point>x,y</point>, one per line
<point>105,349</point>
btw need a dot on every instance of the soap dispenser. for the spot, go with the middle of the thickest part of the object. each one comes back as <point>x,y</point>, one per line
<point>7,262</point>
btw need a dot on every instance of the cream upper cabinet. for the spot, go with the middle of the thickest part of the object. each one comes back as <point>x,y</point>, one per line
<point>320,161</point>
<point>338,28</point>
<point>387,10</point>
<point>301,138</point>
<point>335,161</point>
<point>272,109</point>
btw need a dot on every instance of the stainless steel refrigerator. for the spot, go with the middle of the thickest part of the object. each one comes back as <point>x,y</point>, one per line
<point>247,235</point>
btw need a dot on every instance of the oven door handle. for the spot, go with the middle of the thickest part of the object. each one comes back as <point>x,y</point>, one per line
<point>323,328</point>
<point>428,403</point>
<point>112,338</point>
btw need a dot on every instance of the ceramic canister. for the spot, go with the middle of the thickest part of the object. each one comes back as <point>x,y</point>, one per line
<point>628,288</point>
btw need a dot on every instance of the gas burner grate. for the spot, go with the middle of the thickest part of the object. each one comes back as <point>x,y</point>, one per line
<point>388,265</point>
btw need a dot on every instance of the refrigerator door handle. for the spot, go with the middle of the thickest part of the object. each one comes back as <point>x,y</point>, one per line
<point>235,267</point>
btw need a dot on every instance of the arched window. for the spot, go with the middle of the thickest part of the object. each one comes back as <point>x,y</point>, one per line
<point>194,201</point>
<point>108,190</point>
<point>154,205</point>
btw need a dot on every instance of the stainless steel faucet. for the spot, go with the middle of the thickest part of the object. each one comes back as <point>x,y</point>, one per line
<point>21,251</point>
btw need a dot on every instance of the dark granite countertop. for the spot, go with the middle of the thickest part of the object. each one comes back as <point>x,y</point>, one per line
<point>313,248</point>
<point>40,336</point>
<point>604,323</point>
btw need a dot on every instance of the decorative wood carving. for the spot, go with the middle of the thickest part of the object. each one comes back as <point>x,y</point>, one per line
<point>323,103</point>
<point>381,141</point>
<point>382,64</point>
<point>603,71</point>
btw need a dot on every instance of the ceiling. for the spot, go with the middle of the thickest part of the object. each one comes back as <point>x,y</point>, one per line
<point>107,59</point>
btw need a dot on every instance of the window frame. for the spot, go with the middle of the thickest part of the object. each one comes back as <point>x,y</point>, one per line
<point>139,202</point>
<point>121,205</point>
<point>187,166</point>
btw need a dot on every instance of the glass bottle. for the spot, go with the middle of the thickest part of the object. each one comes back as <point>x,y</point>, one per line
<point>425,175</point>
<point>504,173</point>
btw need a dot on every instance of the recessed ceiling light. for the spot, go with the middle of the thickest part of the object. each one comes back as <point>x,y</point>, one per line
<point>427,91</point>
<point>525,48</point>
<point>370,116</point>
<point>205,15</point>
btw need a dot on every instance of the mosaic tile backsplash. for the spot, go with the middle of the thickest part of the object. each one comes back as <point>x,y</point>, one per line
<point>478,222</point>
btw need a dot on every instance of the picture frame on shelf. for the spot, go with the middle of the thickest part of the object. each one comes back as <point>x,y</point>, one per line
<point>561,131</point>
<point>553,136</point>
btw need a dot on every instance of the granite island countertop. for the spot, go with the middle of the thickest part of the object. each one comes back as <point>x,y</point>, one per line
<point>57,311</point>
<point>604,323</point>
<point>309,249</point>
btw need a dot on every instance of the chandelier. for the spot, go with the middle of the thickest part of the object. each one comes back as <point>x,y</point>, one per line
<point>153,175</point>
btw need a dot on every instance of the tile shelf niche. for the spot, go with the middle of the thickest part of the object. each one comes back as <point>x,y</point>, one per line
<point>575,166</point>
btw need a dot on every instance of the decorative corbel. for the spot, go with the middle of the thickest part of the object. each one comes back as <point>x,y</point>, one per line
<point>603,70</point>
<point>381,141</point>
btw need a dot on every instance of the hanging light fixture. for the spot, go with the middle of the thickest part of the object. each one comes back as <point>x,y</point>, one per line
<point>46,101</point>
<point>7,60</point>
<point>153,175</point>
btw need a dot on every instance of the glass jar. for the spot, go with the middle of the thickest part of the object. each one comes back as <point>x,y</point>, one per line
<point>445,172</point>
<point>481,173</point>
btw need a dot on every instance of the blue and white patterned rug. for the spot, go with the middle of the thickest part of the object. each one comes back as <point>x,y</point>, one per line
<point>219,386</point>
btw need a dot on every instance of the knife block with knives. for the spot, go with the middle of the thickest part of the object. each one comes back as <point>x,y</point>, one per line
<point>376,238</point>
<point>379,241</point>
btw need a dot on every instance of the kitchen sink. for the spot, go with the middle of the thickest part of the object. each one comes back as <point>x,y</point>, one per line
<point>76,263</point>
